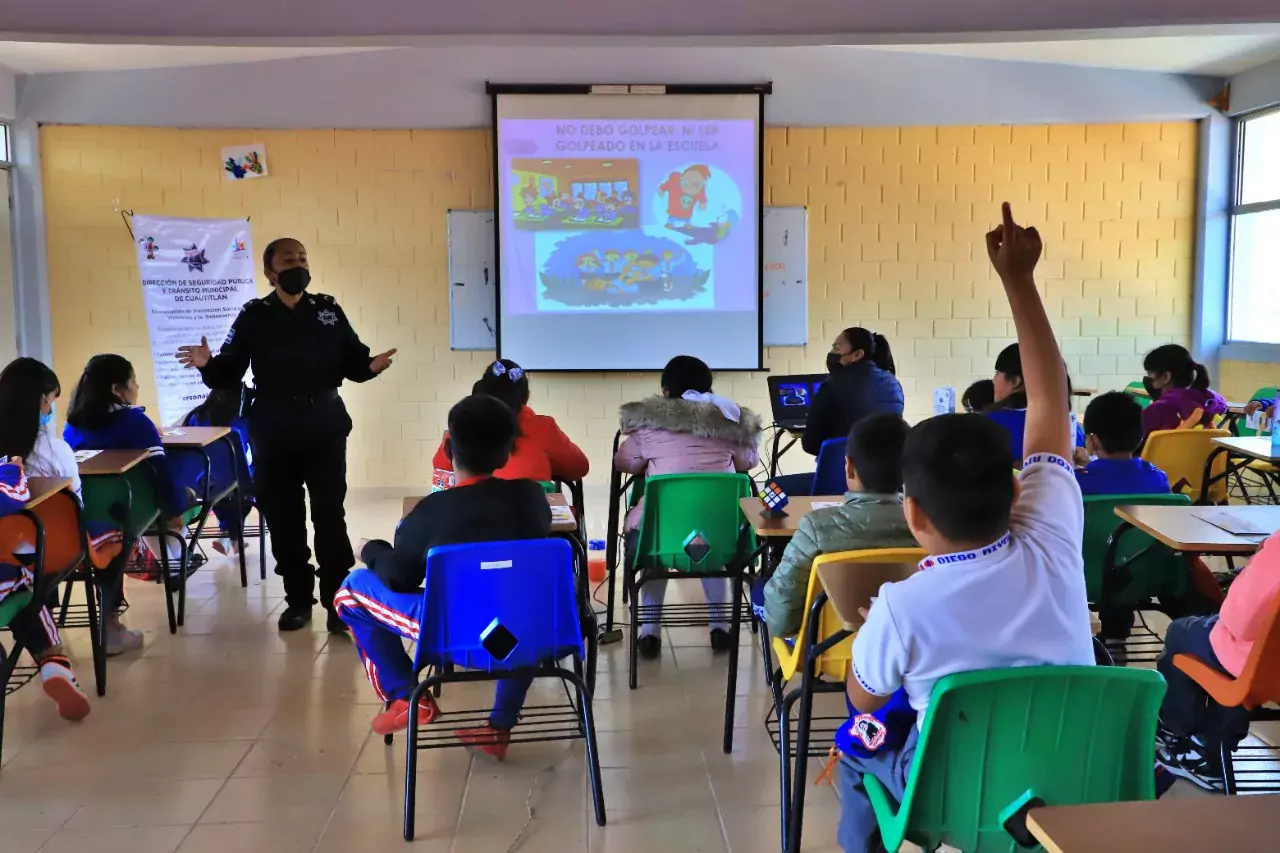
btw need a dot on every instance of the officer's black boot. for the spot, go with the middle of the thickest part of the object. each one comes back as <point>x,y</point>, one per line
<point>295,618</point>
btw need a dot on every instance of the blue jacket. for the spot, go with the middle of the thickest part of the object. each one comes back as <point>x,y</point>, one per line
<point>1015,421</point>
<point>1122,477</point>
<point>846,397</point>
<point>244,468</point>
<point>129,428</point>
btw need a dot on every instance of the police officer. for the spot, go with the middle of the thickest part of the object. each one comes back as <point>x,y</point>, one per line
<point>301,347</point>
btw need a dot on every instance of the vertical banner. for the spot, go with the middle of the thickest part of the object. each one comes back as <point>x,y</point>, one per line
<point>196,276</point>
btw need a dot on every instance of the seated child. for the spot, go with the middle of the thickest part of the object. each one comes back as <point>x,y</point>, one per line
<point>542,452</point>
<point>979,396</point>
<point>1009,587</point>
<point>1193,725</point>
<point>383,603</point>
<point>871,517</point>
<point>28,390</point>
<point>1113,434</point>
<point>35,630</point>
<point>687,430</point>
<point>1010,406</point>
<point>105,416</point>
<point>1178,385</point>
<point>222,408</point>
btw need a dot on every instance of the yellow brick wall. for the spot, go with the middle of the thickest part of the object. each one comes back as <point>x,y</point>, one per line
<point>1240,379</point>
<point>896,218</point>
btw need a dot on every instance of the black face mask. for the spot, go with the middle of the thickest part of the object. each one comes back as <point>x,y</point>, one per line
<point>1152,391</point>
<point>833,362</point>
<point>294,280</point>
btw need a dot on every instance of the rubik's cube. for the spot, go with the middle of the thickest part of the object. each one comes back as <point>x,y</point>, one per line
<point>773,497</point>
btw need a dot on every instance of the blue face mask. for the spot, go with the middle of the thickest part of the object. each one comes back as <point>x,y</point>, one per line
<point>46,418</point>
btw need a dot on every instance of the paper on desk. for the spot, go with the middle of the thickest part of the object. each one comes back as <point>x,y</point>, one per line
<point>561,515</point>
<point>170,433</point>
<point>1233,523</point>
<point>82,455</point>
<point>825,504</point>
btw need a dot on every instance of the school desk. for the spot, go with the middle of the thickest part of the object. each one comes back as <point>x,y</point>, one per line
<point>555,499</point>
<point>200,441</point>
<point>110,463</point>
<point>793,435</point>
<point>1181,528</point>
<point>1244,454</point>
<point>1191,823</point>
<point>785,527</point>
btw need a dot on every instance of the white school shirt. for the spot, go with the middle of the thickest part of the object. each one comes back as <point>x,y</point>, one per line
<point>1019,601</point>
<point>52,457</point>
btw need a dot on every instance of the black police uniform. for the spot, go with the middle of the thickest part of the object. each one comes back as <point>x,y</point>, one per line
<point>299,427</point>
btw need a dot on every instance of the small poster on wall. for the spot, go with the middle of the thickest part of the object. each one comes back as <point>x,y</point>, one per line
<point>244,161</point>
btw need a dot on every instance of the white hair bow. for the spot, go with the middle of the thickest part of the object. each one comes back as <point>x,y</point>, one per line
<point>727,407</point>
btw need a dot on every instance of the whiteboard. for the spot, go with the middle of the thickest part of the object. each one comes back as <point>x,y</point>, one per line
<point>786,283</point>
<point>473,294</point>
<point>473,285</point>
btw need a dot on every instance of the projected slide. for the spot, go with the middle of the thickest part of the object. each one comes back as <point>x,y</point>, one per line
<point>630,218</point>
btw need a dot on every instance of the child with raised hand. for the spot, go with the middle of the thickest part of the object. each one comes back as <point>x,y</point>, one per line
<point>1006,585</point>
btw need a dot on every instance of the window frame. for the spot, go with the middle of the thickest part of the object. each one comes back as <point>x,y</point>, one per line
<point>1240,349</point>
<point>6,145</point>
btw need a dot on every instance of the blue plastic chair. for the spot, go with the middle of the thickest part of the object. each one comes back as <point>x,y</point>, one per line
<point>829,478</point>
<point>532,589</point>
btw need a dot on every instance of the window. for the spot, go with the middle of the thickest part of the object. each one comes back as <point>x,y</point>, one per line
<point>1255,232</point>
<point>4,144</point>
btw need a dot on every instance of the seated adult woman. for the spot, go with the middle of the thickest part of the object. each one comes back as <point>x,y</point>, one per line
<point>861,383</point>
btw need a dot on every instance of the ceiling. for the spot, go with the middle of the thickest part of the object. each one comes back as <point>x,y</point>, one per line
<point>145,20</point>
<point>50,57</point>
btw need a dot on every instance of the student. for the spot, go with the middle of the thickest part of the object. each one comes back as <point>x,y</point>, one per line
<point>1008,587</point>
<point>871,517</point>
<point>1113,434</point>
<point>28,390</point>
<point>105,416</point>
<point>542,452</point>
<point>862,382</point>
<point>1010,406</point>
<point>979,396</point>
<point>222,408</point>
<point>1192,724</point>
<point>383,604</point>
<point>687,430</point>
<point>1177,385</point>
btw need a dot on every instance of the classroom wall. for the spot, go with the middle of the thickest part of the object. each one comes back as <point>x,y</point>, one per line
<point>896,223</point>
<point>1240,379</point>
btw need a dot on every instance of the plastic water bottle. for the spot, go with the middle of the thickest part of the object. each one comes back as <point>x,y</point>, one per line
<point>597,568</point>
<point>1275,439</point>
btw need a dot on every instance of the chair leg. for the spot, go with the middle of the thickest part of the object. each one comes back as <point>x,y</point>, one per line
<point>97,631</point>
<point>731,690</point>
<point>588,724</point>
<point>1228,770</point>
<point>411,756</point>
<point>244,563</point>
<point>188,552</point>
<point>166,577</point>
<point>262,547</point>
<point>784,761</point>
<point>66,603</point>
<point>799,779</point>
<point>633,650</point>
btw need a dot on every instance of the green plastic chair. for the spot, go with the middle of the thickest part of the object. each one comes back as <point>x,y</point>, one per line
<point>1138,391</point>
<point>1270,393</point>
<point>993,739</point>
<point>549,487</point>
<point>693,526</point>
<point>12,605</point>
<point>1157,573</point>
<point>130,502</point>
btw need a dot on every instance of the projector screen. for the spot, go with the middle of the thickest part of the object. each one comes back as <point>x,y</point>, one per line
<point>628,230</point>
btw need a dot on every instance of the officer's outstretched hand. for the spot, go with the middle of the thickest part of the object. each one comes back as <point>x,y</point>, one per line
<point>380,362</point>
<point>195,356</point>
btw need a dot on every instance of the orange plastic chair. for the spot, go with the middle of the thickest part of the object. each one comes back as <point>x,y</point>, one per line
<point>1258,684</point>
<point>1182,454</point>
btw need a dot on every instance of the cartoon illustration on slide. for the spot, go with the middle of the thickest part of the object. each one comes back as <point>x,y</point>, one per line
<point>685,191</point>
<point>701,202</point>
<point>645,268</point>
<point>574,194</point>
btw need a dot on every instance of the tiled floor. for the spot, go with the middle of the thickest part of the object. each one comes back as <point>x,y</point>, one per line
<point>233,738</point>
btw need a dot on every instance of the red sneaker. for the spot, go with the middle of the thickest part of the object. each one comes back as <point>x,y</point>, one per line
<point>396,718</point>
<point>486,739</point>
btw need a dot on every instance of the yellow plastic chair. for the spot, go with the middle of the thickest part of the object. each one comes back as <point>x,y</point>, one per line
<point>1182,454</point>
<point>822,647</point>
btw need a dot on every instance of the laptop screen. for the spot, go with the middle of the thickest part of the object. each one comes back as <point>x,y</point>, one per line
<point>791,396</point>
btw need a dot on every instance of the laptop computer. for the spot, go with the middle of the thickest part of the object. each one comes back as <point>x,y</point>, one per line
<point>791,396</point>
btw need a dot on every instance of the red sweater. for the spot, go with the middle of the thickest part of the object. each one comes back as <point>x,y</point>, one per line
<point>542,452</point>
